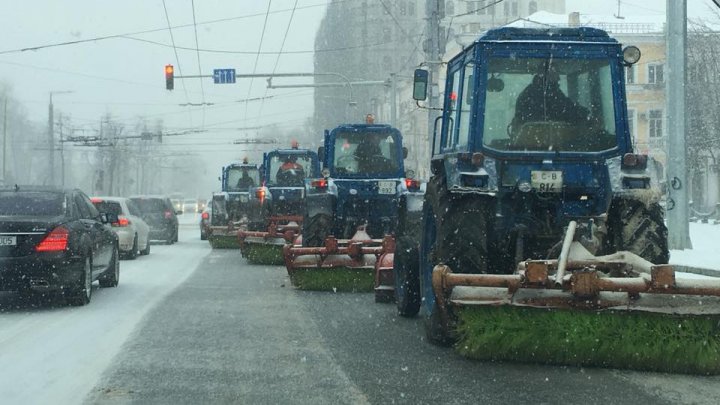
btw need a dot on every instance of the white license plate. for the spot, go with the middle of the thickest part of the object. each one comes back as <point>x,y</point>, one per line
<point>8,240</point>
<point>386,187</point>
<point>546,181</point>
<point>244,198</point>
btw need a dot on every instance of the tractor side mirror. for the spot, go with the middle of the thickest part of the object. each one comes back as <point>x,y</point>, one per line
<point>405,152</point>
<point>321,154</point>
<point>420,84</point>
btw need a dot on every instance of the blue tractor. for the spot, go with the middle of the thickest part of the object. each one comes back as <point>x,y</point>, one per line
<point>276,207</point>
<point>533,137</point>
<point>231,207</point>
<point>354,209</point>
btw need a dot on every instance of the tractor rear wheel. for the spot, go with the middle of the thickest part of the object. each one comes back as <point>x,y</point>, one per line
<point>316,229</point>
<point>461,226</point>
<point>406,267</point>
<point>638,228</point>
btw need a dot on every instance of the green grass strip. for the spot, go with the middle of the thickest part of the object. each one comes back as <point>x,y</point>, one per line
<point>224,242</point>
<point>340,279</point>
<point>615,339</point>
<point>269,255</point>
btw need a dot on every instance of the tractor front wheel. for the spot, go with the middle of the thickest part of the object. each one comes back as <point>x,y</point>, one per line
<point>638,228</point>
<point>407,276</point>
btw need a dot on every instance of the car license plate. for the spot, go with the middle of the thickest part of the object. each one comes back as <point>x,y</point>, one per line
<point>386,187</point>
<point>546,181</point>
<point>8,240</point>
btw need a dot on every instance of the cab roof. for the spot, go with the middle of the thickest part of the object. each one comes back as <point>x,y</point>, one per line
<point>579,34</point>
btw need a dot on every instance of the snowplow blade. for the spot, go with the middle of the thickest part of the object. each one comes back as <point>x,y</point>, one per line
<point>340,265</point>
<point>616,311</point>
<point>223,237</point>
<point>266,248</point>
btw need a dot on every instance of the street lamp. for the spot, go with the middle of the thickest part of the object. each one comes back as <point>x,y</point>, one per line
<point>51,134</point>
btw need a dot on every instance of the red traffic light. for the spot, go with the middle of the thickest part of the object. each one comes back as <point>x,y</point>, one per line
<point>169,77</point>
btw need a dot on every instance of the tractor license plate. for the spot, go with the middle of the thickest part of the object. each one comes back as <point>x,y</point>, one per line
<point>386,187</point>
<point>546,181</point>
<point>8,240</point>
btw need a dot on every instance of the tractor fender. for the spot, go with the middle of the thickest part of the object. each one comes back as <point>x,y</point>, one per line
<point>320,204</point>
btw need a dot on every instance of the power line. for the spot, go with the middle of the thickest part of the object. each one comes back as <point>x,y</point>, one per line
<point>257,57</point>
<point>277,60</point>
<point>177,59</point>
<point>197,44</point>
<point>105,37</point>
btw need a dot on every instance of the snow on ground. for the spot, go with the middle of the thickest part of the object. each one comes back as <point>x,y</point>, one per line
<point>55,354</point>
<point>705,253</point>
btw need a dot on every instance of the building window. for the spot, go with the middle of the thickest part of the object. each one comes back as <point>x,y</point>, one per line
<point>514,6</point>
<point>631,122</point>
<point>655,74</point>
<point>411,7</point>
<point>403,7</point>
<point>506,8</point>
<point>655,123</point>
<point>630,74</point>
<point>387,62</point>
<point>387,34</point>
<point>532,7</point>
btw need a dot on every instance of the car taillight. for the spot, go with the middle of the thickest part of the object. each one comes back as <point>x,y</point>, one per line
<point>412,184</point>
<point>205,215</point>
<point>319,183</point>
<point>168,214</point>
<point>55,241</point>
<point>122,221</point>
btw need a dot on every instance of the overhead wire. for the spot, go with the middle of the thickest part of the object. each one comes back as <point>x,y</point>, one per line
<point>177,58</point>
<point>111,36</point>
<point>257,56</point>
<point>277,60</point>
<point>197,44</point>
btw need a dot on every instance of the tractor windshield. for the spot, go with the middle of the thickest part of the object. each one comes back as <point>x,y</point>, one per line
<point>366,153</point>
<point>546,104</point>
<point>242,178</point>
<point>289,170</point>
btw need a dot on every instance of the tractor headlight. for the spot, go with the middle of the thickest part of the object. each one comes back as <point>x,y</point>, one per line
<point>524,186</point>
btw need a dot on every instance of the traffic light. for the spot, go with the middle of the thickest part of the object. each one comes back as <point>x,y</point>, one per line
<point>169,77</point>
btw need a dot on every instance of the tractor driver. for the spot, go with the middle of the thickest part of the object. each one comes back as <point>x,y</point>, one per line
<point>369,155</point>
<point>543,101</point>
<point>245,181</point>
<point>291,173</point>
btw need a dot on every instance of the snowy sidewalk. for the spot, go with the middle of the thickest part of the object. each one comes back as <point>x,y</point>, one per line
<point>704,257</point>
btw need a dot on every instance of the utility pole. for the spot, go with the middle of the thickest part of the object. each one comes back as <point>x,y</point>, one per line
<point>677,215</point>
<point>393,100</point>
<point>432,52</point>
<point>51,135</point>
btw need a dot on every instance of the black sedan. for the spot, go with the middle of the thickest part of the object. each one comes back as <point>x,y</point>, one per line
<point>54,240</point>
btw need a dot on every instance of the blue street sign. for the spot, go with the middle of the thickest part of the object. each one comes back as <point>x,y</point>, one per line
<point>223,76</point>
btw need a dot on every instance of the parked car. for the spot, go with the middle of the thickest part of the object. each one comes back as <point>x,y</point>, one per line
<point>55,240</point>
<point>158,212</point>
<point>205,221</point>
<point>132,231</point>
<point>190,205</point>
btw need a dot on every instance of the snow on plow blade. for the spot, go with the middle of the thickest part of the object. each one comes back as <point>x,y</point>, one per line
<point>224,237</point>
<point>267,247</point>
<point>617,311</point>
<point>340,265</point>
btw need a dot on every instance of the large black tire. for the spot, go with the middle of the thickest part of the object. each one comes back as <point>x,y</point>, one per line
<point>176,238</point>
<point>316,229</point>
<point>638,228</point>
<point>203,235</point>
<point>462,224</point>
<point>406,267</point>
<point>80,293</point>
<point>111,276</point>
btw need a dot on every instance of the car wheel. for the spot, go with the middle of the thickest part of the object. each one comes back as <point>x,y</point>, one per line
<point>177,231</point>
<point>132,254</point>
<point>111,276</point>
<point>146,251</point>
<point>81,293</point>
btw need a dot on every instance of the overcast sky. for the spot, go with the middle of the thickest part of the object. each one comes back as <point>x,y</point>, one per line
<point>124,76</point>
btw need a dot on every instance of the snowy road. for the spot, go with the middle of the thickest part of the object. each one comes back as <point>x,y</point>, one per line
<point>192,325</point>
<point>55,354</point>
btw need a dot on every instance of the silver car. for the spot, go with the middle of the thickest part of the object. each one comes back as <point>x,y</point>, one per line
<point>133,233</point>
